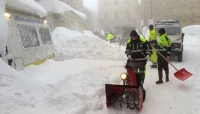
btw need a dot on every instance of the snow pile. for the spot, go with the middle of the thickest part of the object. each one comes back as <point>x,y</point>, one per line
<point>74,83</point>
<point>71,44</point>
<point>192,30</point>
<point>89,34</point>
<point>29,6</point>
<point>17,90</point>
<point>57,10</point>
<point>56,6</point>
<point>3,27</point>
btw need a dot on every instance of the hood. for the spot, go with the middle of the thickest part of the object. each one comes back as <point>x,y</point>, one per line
<point>175,38</point>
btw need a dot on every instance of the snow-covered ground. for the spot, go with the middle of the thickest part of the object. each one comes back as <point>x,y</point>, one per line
<point>75,83</point>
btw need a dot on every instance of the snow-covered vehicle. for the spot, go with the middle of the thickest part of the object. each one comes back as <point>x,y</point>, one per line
<point>122,34</point>
<point>29,40</point>
<point>131,94</point>
<point>173,31</point>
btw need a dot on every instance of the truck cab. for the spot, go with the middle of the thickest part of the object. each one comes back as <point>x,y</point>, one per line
<point>174,32</point>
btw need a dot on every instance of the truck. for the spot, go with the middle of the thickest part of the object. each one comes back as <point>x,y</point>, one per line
<point>174,32</point>
<point>122,34</point>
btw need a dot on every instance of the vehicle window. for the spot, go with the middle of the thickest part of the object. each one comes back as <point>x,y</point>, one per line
<point>45,35</point>
<point>171,31</point>
<point>28,35</point>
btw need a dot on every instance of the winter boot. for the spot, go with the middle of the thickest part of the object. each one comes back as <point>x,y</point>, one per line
<point>160,77</point>
<point>154,65</point>
<point>167,76</point>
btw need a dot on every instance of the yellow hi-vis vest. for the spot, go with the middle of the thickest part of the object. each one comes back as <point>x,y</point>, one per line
<point>109,36</point>
<point>153,35</point>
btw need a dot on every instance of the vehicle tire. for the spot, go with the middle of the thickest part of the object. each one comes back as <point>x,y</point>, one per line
<point>182,36</point>
<point>179,57</point>
<point>182,47</point>
<point>144,94</point>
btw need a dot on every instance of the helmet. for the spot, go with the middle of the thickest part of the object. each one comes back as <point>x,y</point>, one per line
<point>150,26</point>
<point>161,31</point>
<point>133,33</point>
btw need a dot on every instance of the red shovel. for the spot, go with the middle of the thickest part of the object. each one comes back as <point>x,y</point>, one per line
<point>180,74</point>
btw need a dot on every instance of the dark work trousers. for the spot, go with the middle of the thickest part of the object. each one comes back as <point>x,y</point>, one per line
<point>162,63</point>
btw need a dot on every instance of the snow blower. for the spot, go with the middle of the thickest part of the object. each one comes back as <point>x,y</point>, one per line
<point>131,94</point>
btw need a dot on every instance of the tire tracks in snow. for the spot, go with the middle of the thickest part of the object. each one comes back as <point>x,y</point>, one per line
<point>93,84</point>
<point>65,80</point>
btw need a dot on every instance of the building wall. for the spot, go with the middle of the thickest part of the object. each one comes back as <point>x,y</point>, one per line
<point>76,4</point>
<point>92,21</point>
<point>113,13</point>
<point>71,20</point>
<point>187,12</point>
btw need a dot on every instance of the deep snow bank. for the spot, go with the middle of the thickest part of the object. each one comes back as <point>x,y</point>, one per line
<point>71,44</point>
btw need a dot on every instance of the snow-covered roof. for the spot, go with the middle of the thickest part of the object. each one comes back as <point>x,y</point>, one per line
<point>56,6</point>
<point>29,6</point>
<point>58,10</point>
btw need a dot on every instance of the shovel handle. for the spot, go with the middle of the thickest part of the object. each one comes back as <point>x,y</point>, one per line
<point>162,55</point>
<point>164,58</point>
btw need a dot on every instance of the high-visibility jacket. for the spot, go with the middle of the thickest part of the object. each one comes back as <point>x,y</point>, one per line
<point>164,45</point>
<point>153,57</point>
<point>138,49</point>
<point>109,36</point>
<point>153,39</point>
<point>153,35</point>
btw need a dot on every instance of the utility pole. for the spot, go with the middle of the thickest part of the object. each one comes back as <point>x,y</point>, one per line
<point>139,14</point>
<point>151,10</point>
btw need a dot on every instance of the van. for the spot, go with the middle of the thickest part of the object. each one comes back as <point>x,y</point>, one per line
<point>29,40</point>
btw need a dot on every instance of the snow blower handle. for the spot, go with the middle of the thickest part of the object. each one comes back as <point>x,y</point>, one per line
<point>161,54</point>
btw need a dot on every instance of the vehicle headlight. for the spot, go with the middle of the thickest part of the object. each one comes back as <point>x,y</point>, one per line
<point>123,76</point>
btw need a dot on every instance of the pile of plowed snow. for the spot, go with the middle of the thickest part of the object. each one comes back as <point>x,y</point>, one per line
<point>72,44</point>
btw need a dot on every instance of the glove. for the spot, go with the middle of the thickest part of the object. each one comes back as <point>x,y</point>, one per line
<point>129,56</point>
<point>147,57</point>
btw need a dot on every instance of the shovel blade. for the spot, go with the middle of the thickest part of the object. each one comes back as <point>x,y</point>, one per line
<point>182,74</point>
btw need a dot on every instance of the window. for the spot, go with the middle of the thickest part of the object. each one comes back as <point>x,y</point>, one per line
<point>105,15</point>
<point>28,35</point>
<point>116,14</point>
<point>127,13</point>
<point>45,35</point>
<point>171,31</point>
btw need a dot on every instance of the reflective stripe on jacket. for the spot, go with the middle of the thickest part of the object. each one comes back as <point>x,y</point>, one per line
<point>138,49</point>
